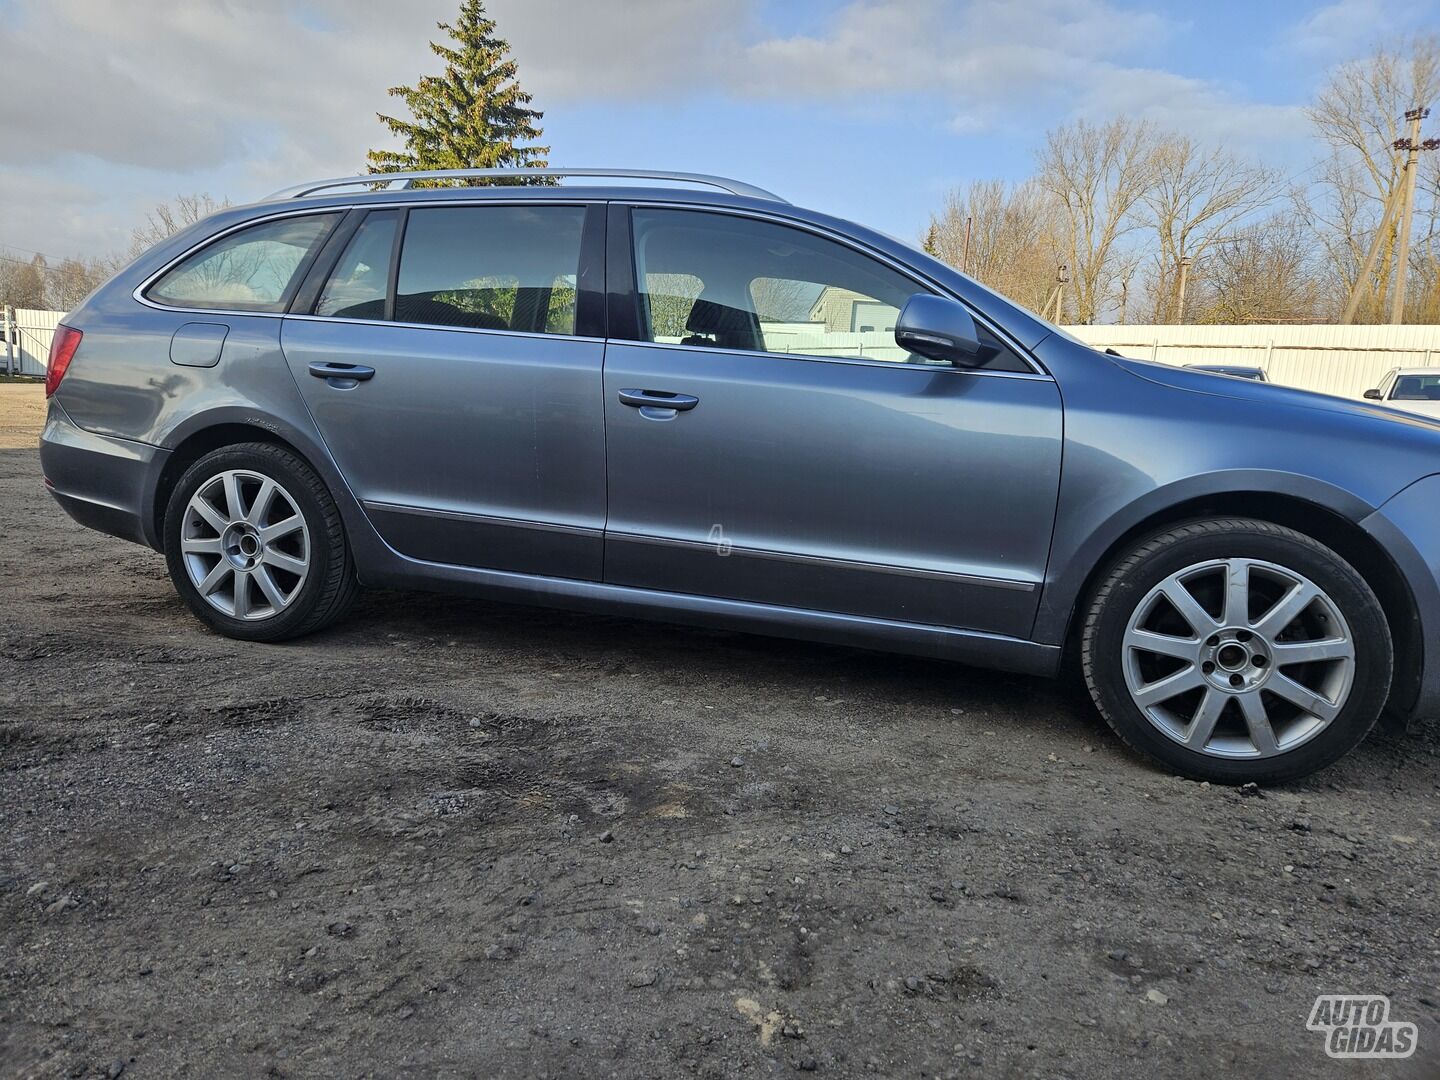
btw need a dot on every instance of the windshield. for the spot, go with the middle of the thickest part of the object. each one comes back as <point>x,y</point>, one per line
<point>1416,388</point>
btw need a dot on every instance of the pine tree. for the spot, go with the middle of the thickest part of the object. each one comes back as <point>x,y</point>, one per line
<point>932,239</point>
<point>475,116</point>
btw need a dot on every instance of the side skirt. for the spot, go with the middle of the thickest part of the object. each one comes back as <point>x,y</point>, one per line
<point>965,646</point>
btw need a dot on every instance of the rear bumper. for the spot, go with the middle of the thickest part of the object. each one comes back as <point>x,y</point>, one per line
<point>1408,527</point>
<point>104,483</point>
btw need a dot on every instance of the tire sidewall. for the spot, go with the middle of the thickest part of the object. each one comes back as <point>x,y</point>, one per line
<point>287,472</point>
<point>1104,637</point>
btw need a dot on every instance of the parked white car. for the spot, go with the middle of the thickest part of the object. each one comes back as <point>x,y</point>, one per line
<point>1415,390</point>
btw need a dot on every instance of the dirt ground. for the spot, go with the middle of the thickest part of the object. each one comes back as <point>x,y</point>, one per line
<point>451,838</point>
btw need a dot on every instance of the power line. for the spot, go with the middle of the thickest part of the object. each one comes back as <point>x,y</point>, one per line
<point>27,251</point>
<point>26,262</point>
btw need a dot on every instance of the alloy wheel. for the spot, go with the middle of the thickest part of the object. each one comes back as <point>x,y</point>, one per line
<point>1238,658</point>
<point>245,545</point>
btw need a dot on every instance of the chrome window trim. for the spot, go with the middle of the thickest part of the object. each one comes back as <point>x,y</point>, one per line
<point>927,283</point>
<point>1037,371</point>
<point>138,293</point>
<point>855,361</point>
<point>448,329</point>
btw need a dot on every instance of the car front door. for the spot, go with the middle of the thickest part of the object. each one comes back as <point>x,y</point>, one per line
<point>767,441</point>
<point>451,357</point>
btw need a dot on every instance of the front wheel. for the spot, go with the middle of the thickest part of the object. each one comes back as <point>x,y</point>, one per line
<point>255,544</point>
<point>1237,650</point>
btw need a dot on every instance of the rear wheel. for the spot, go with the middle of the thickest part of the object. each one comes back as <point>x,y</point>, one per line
<point>1236,650</point>
<point>255,544</point>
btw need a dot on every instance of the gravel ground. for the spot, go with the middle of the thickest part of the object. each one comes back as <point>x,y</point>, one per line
<point>452,838</point>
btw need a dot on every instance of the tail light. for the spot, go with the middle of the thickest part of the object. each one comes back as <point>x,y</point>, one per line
<point>62,351</point>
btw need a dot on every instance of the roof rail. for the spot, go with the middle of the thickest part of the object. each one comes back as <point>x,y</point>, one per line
<point>404,180</point>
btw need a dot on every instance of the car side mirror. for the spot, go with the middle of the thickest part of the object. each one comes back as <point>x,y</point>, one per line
<point>1373,394</point>
<point>938,328</point>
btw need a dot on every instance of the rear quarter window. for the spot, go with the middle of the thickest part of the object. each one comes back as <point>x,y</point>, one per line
<point>252,269</point>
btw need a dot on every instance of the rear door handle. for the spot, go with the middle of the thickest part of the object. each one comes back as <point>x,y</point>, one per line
<point>657,399</point>
<point>351,373</point>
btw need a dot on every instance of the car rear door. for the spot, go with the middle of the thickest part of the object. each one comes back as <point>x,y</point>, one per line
<point>451,357</point>
<point>768,441</point>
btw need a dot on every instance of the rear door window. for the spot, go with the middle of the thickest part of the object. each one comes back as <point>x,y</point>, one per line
<point>252,269</point>
<point>491,268</point>
<point>358,285</point>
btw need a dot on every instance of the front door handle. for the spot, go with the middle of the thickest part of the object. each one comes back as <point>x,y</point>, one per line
<point>657,399</point>
<point>342,373</point>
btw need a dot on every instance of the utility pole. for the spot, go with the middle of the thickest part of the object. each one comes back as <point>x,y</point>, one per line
<point>1398,203</point>
<point>965,256</point>
<point>1061,277</point>
<point>1362,280</point>
<point>1412,146</point>
<point>1185,262</point>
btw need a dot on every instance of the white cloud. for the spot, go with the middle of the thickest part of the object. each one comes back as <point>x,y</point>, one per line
<point>1189,105</point>
<point>624,49</point>
<point>1340,29</point>
<point>243,96</point>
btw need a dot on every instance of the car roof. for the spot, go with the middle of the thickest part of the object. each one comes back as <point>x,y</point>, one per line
<point>1417,371</point>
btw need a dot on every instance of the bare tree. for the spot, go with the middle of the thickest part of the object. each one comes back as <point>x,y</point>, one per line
<point>1264,273</point>
<point>1423,301</point>
<point>1014,237</point>
<point>782,300</point>
<point>168,218</point>
<point>1125,264</point>
<point>73,280</point>
<point>22,282</point>
<point>1360,114</point>
<point>1196,196</point>
<point>1097,174</point>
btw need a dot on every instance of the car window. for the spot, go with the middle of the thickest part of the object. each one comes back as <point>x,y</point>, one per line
<point>253,269</point>
<point>357,286</point>
<point>1416,388</point>
<point>491,267</point>
<point>724,281</point>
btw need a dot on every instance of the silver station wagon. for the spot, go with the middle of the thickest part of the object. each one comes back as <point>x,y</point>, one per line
<point>684,398</point>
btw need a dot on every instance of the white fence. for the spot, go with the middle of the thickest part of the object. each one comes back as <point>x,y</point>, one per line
<point>27,341</point>
<point>1341,360</point>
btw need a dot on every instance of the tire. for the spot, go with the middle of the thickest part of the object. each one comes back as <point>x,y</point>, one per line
<point>1279,668</point>
<point>255,545</point>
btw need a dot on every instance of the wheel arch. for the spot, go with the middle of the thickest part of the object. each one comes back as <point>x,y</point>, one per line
<point>1326,524</point>
<point>200,435</point>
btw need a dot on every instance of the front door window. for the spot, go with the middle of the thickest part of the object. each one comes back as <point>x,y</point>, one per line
<point>723,281</point>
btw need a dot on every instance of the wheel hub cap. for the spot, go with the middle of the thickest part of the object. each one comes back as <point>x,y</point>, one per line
<point>1235,660</point>
<point>242,545</point>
